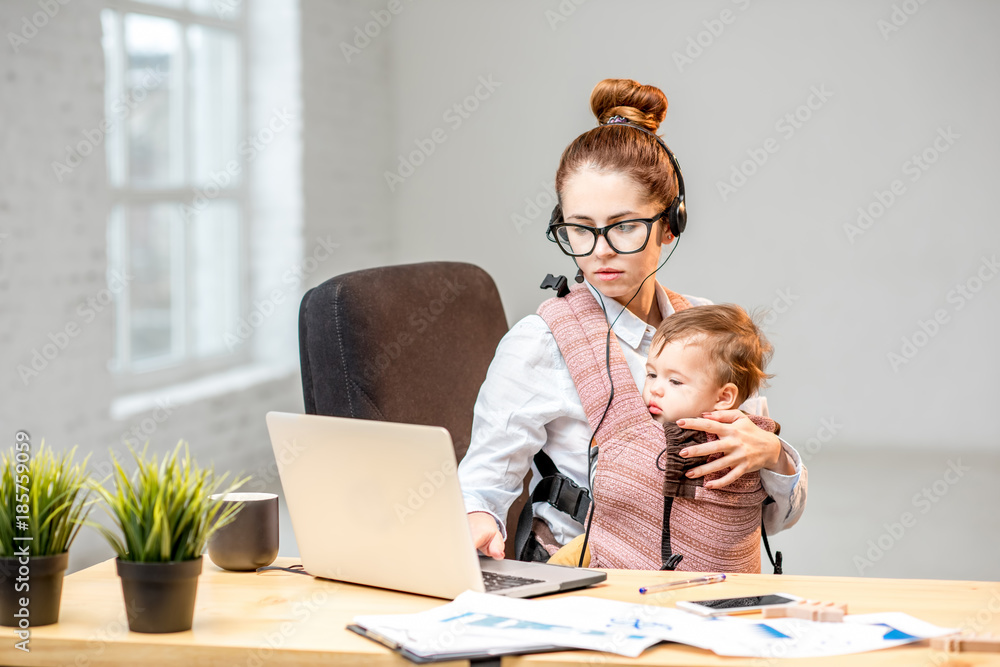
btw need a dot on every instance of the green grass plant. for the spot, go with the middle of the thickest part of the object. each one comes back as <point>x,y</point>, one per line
<point>164,511</point>
<point>51,491</point>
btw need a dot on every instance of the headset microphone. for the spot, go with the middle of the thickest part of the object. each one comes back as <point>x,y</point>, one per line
<point>558,283</point>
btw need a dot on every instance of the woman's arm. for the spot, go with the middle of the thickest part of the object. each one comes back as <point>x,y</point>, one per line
<point>788,493</point>
<point>516,401</point>
<point>747,448</point>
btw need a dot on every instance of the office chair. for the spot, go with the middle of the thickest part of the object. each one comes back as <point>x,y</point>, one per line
<point>409,343</point>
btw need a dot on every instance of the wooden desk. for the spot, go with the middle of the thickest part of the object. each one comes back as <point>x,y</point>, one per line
<point>278,618</point>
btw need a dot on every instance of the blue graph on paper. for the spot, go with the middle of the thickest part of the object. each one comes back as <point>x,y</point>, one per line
<point>485,620</point>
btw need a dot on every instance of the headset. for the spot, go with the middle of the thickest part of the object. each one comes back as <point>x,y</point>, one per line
<point>676,215</point>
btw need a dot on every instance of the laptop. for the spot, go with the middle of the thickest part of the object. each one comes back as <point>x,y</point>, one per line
<point>379,503</point>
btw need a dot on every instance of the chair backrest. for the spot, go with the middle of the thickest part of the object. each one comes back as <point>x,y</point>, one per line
<point>409,343</point>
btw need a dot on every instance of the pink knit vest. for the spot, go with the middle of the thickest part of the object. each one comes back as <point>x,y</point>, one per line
<point>716,531</point>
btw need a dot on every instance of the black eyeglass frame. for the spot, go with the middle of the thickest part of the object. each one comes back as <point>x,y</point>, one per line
<point>552,230</point>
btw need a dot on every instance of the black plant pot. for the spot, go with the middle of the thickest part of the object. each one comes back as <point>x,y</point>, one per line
<point>38,582</point>
<point>159,597</point>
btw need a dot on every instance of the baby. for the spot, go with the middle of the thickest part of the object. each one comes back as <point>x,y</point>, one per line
<point>701,360</point>
<point>704,359</point>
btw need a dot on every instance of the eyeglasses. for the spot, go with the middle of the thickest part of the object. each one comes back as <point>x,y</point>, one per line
<point>625,237</point>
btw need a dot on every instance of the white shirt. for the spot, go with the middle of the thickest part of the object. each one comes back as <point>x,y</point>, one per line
<point>528,402</point>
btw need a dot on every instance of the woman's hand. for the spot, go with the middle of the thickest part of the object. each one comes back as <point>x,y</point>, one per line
<point>745,446</point>
<point>485,534</point>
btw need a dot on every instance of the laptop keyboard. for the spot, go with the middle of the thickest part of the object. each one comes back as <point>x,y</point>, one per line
<point>499,582</point>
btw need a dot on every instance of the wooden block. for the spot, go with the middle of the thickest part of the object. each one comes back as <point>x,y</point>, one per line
<point>810,610</point>
<point>961,643</point>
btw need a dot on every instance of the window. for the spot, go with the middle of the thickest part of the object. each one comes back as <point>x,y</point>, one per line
<point>175,95</point>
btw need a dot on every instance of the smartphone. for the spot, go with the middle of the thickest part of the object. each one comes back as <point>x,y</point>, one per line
<point>745,605</point>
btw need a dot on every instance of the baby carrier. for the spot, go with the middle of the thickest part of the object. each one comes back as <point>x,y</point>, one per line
<point>647,514</point>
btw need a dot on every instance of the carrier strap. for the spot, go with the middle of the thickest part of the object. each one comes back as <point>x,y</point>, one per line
<point>557,490</point>
<point>776,558</point>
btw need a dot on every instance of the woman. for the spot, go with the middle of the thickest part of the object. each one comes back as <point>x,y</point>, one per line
<point>611,174</point>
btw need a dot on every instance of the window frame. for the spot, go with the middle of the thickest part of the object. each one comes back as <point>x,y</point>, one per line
<point>178,366</point>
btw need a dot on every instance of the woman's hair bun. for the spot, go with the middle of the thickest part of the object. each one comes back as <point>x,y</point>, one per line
<point>645,106</point>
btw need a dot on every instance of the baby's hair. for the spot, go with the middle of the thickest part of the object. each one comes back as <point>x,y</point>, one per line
<point>733,342</point>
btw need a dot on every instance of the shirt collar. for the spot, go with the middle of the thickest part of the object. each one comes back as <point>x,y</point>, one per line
<point>629,327</point>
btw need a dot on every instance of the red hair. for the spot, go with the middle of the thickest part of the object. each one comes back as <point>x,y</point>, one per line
<point>622,148</point>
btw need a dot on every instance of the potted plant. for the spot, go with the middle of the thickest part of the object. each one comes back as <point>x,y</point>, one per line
<point>43,504</point>
<point>165,515</point>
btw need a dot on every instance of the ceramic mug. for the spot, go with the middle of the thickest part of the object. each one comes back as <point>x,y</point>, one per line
<point>250,540</point>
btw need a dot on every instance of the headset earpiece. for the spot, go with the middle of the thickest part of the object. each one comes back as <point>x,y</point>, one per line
<point>556,216</point>
<point>677,216</point>
<point>554,219</point>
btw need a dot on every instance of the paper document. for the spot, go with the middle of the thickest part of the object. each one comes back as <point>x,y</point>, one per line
<point>478,623</point>
<point>492,624</point>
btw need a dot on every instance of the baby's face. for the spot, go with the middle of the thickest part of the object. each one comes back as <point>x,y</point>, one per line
<point>679,382</point>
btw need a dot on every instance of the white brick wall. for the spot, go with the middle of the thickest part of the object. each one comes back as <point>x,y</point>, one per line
<point>349,122</point>
<point>53,235</point>
<point>54,257</point>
